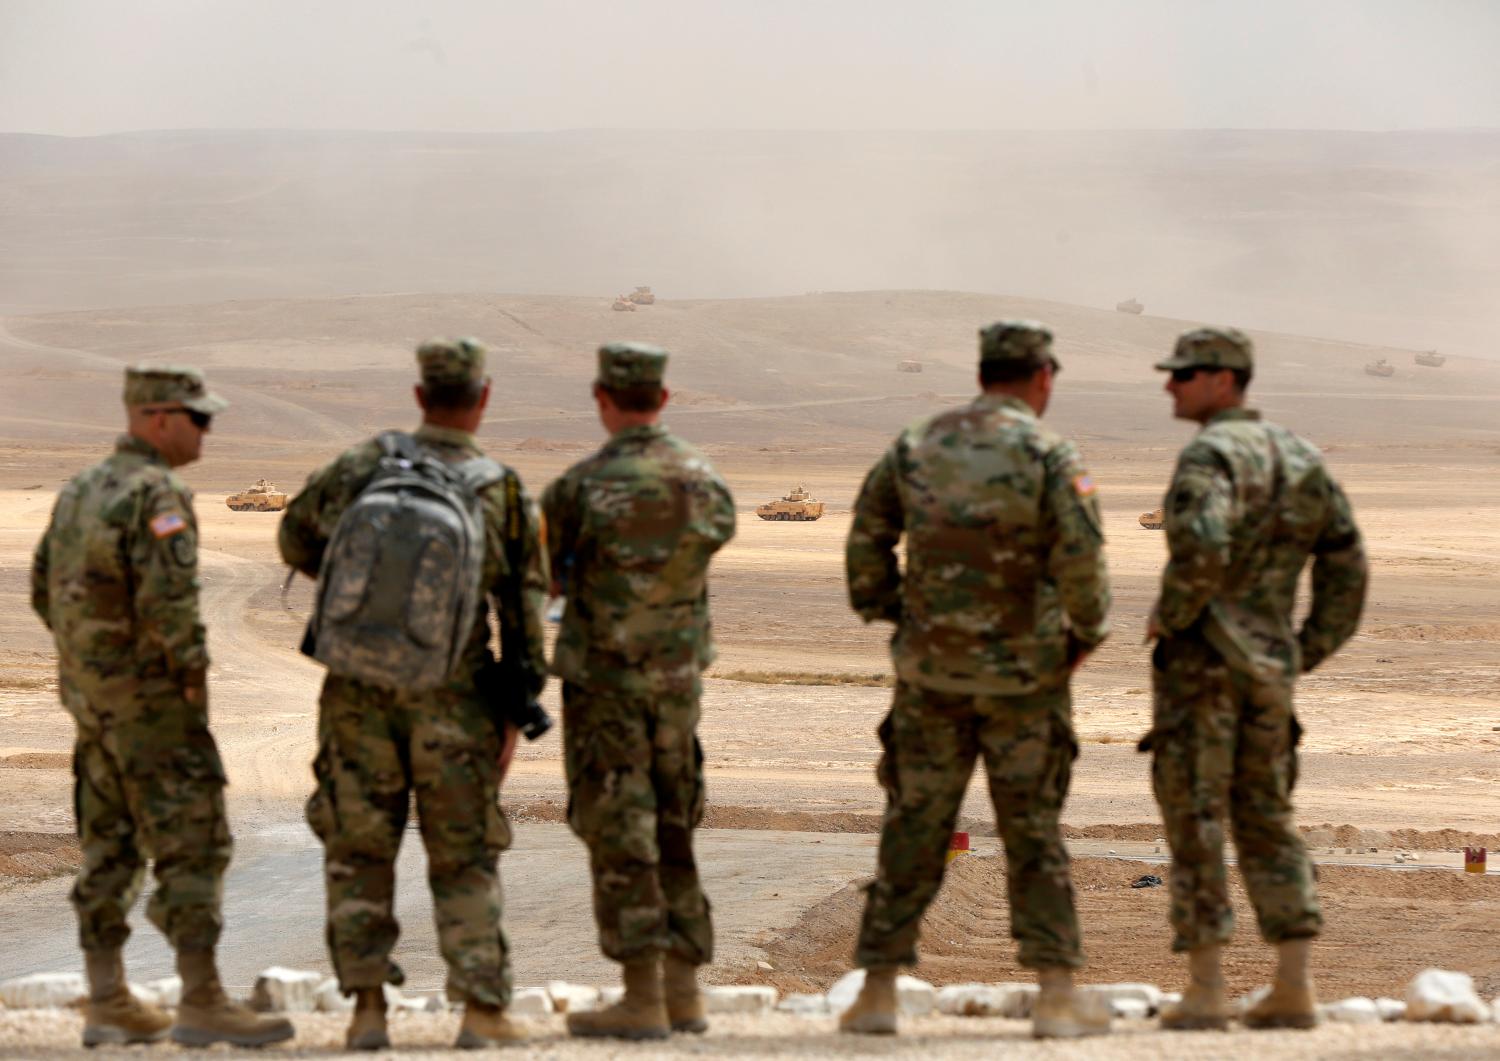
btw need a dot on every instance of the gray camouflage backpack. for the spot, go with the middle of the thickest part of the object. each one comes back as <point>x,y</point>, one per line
<point>398,589</point>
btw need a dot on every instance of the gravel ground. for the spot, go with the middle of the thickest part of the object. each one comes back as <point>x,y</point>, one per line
<point>55,1034</point>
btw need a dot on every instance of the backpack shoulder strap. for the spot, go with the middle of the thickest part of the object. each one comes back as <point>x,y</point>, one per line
<point>398,445</point>
<point>477,473</point>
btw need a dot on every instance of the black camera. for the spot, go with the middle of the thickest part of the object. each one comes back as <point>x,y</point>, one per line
<point>506,694</point>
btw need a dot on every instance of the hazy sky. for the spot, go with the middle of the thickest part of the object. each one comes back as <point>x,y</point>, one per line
<point>81,67</point>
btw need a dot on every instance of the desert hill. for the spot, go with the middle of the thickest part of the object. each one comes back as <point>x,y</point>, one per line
<point>814,372</point>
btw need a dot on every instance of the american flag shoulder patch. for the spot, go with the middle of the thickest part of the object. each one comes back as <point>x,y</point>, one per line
<point>1083,485</point>
<point>168,524</point>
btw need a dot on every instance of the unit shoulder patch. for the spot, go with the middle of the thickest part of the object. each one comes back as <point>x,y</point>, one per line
<point>1083,485</point>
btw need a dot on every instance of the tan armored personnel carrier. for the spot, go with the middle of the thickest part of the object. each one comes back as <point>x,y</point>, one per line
<point>1156,519</point>
<point>1130,305</point>
<point>642,296</point>
<point>908,366</point>
<point>1381,367</point>
<point>622,304</point>
<point>1430,358</point>
<point>262,497</point>
<point>798,504</point>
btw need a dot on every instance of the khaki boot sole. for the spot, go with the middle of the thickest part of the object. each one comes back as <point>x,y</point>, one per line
<point>691,1026</point>
<point>870,1024</point>
<point>633,1034</point>
<point>190,1036</point>
<point>468,1040</point>
<point>370,1040</point>
<point>109,1035</point>
<point>1195,1023</point>
<point>1301,1021</point>
<point>1063,1028</point>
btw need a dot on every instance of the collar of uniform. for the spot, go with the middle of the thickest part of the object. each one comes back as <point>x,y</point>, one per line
<point>132,444</point>
<point>644,431</point>
<point>445,436</point>
<point>1239,412</point>
<point>1008,402</point>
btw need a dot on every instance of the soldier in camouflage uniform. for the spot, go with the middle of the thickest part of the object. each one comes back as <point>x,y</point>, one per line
<point>1248,504</point>
<point>1004,593</point>
<point>115,578</point>
<point>377,745</point>
<point>631,531</point>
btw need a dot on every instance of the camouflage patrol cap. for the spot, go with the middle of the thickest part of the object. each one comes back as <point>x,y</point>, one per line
<point>451,362</point>
<point>1020,341</point>
<point>171,387</point>
<point>1211,348</point>
<point>631,365</point>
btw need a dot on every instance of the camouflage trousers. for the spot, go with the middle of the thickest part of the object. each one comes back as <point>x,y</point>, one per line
<point>1225,747</point>
<point>376,748</point>
<point>149,784</point>
<point>635,795</point>
<point>930,741</point>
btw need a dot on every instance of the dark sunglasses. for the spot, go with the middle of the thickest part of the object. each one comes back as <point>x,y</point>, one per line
<point>1185,375</point>
<point>200,420</point>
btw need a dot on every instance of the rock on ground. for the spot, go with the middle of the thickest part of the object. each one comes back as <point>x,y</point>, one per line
<point>739,998</point>
<point>43,990</point>
<point>530,1002</point>
<point>987,1000</point>
<point>1353,1011</point>
<point>572,998</point>
<point>1442,995</point>
<point>282,990</point>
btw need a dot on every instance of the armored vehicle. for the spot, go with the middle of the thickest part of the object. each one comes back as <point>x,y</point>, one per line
<point>262,497</point>
<point>1156,519</point>
<point>622,304</point>
<point>642,296</point>
<point>798,504</point>
<point>908,366</point>
<point>1430,358</point>
<point>1381,367</point>
<point>1130,305</point>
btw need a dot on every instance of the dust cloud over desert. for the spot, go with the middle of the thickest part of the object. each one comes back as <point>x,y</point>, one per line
<point>794,268</point>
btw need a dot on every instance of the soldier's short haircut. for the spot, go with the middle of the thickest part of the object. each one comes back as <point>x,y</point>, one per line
<point>992,372</point>
<point>638,398</point>
<point>456,396</point>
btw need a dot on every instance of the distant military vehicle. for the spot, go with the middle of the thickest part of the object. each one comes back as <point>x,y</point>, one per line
<point>1382,367</point>
<point>908,366</point>
<point>642,296</point>
<point>1156,519</point>
<point>798,504</point>
<point>622,304</point>
<point>1430,358</point>
<point>262,497</point>
<point>1130,305</point>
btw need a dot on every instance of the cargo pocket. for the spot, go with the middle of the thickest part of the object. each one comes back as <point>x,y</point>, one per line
<point>321,810</point>
<point>698,806</point>
<point>497,832</point>
<point>885,770</point>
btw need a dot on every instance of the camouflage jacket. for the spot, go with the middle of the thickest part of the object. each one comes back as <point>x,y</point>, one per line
<point>312,515</point>
<point>631,531</point>
<point>1249,502</point>
<point>115,578</point>
<point>1004,552</point>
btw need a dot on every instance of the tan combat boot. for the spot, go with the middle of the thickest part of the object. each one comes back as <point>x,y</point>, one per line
<point>684,1000</point>
<point>874,1011</point>
<point>486,1026</point>
<point>641,1014</point>
<point>206,1016</point>
<point>1292,1002</point>
<point>1063,1013</point>
<point>113,1015</point>
<point>367,1028</point>
<point>1203,1006</point>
